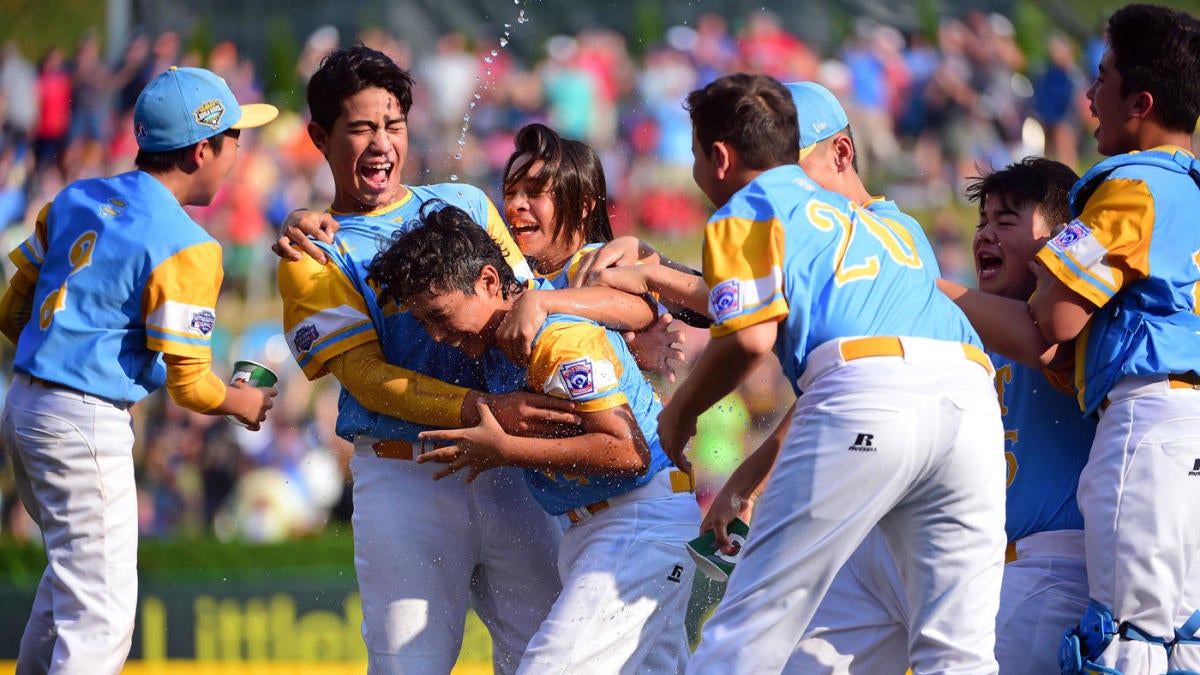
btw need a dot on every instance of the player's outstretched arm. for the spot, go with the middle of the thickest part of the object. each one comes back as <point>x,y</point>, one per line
<point>619,252</point>
<point>1006,326</point>
<point>611,445</point>
<point>723,365</point>
<point>737,497</point>
<point>673,287</point>
<point>523,413</point>
<point>192,385</point>
<point>294,241</point>
<point>607,307</point>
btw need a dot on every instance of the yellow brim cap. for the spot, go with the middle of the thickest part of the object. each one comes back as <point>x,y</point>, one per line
<point>255,115</point>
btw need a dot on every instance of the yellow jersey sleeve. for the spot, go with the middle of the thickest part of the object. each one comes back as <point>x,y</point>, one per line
<point>1108,246</point>
<point>575,361</point>
<point>180,299</point>
<point>743,266</point>
<point>399,392</point>
<point>323,313</point>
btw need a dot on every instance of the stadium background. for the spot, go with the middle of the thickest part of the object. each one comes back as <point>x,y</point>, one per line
<point>246,557</point>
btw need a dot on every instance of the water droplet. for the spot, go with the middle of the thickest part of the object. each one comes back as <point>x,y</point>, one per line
<point>521,18</point>
<point>454,176</point>
<point>495,53</point>
<point>504,42</point>
<point>487,59</point>
<point>477,96</point>
<point>473,104</point>
<point>458,156</point>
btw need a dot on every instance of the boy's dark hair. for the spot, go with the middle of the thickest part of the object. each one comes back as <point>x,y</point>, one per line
<point>169,160</point>
<point>1157,50</point>
<point>446,252</point>
<point>571,170</point>
<point>349,70</point>
<point>754,114</point>
<point>1041,182</point>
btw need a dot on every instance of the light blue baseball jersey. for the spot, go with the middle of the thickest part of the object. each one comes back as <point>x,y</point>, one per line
<point>1133,250</point>
<point>783,249</point>
<point>576,359</point>
<point>1046,444</point>
<point>887,211</point>
<point>124,275</point>
<point>340,310</point>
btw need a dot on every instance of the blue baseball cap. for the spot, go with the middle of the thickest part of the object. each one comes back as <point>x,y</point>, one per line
<point>819,112</point>
<point>184,106</point>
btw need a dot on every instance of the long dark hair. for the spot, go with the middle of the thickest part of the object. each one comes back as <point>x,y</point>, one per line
<point>574,172</point>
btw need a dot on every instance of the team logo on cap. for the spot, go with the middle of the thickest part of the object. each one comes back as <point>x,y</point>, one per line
<point>305,336</point>
<point>726,299</point>
<point>210,113</point>
<point>1075,231</point>
<point>140,131</point>
<point>578,376</point>
<point>203,321</point>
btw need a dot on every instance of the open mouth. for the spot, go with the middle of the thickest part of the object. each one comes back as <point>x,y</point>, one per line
<point>376,174</point>
<point>524,229</point>
<point>987,264</point>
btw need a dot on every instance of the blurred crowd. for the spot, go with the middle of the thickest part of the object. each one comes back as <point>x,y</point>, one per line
<point>927,111</point>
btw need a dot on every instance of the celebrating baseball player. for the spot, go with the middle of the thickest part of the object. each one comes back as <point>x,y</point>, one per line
<point>862,624</point>
<point>625,572</point>
<point>399,382</point>
<point>855,318</point>
<point>1121,281</point>
<point>424,550</point>
<point>114,296</point>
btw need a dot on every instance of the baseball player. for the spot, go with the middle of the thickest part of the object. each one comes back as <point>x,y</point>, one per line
<point>862,625</point>
<point>416,575</point>
<point>114,296</point>
<point>1121,281</point>
<point>556,205</point>
<point>625,572</point>
<point>854,318</point>
<point>827,155</point>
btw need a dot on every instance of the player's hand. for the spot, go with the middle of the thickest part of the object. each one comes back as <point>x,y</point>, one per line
<point>515,333</point>
<point>674,430</point>
<point>294,243</point>
<point>659,348</point>
<point>252,403</point>
<point>729,503</point>
<point>524,413</point>
<point>476,448</point>
<point>618,252</point>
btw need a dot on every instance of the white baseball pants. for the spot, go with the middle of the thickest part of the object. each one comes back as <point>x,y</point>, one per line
<point>913,444</point>
<point>627,578</point>
<point>72,456</point>
<point>425,550</point>
<point>1139,494</point>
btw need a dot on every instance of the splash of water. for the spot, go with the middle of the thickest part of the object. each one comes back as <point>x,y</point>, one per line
<point>484,84</point>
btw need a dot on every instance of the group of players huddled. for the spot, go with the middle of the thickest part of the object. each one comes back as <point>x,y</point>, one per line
<point>510,456</point>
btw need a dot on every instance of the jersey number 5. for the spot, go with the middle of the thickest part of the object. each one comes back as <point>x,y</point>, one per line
<point>81,257</point>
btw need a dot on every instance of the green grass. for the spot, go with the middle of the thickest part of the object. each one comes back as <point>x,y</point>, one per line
<point>21,564</point>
